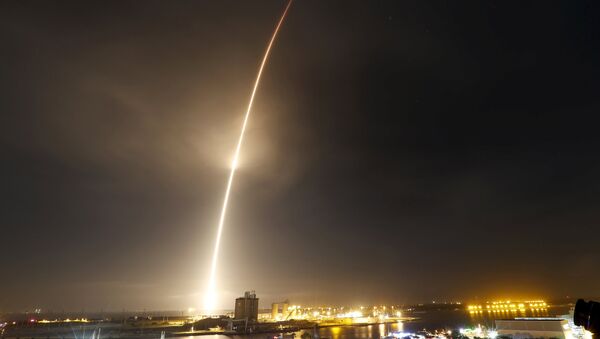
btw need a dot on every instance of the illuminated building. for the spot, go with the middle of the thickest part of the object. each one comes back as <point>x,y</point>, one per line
<point>508,306</point>
<point>246,307</point>
<point>524,328</point>
<point>279,311</point>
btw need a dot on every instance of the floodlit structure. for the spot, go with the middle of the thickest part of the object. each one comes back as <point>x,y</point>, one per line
<point>279,310</point>
<point>246,307</point>
<point>508,306</point>
<point>524,328</point>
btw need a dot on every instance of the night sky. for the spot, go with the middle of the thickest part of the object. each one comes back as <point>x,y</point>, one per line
<point>398,151</point>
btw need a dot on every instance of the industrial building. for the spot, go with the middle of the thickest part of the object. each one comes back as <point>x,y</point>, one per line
<point>279,310</point>
<point>525,328</point>
<point>246,307</point>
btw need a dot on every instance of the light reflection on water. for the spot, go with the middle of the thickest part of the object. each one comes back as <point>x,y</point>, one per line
<point>335,332</point>
<point>432,320</point>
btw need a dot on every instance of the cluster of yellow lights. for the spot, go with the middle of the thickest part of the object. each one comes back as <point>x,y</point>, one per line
<point>507,306</point>
<point>45,321</point>
<point>351,314</point>
<point>324,313</point>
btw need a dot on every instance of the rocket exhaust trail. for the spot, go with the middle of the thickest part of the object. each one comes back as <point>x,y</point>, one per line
<point>211,293</point>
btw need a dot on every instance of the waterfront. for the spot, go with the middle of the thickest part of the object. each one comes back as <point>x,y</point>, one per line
<point>428,317</point>
<point>430,320</point>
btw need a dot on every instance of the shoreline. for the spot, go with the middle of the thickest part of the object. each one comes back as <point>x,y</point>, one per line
<point>292,329</point>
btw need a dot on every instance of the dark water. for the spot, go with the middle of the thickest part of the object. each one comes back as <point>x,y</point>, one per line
<point>431,320</point>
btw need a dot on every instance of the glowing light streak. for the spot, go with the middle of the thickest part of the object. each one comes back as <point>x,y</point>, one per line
<point>210,297</point>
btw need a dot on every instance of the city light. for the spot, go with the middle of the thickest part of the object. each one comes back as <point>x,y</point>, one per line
<point>507,306</point>
<point>394,170</point>
<point>352,314</point>
<point>76,320</point>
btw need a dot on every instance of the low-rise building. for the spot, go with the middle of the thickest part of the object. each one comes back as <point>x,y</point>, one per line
<point>525,328</point>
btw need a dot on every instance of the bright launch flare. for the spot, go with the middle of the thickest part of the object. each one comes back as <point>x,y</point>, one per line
<point>210,298</point>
